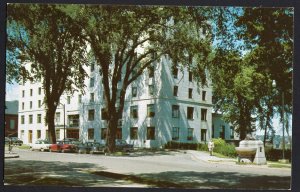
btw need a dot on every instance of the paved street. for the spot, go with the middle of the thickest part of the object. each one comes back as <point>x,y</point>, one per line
<point>189,169</point>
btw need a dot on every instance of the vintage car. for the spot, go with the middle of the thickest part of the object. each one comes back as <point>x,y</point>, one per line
<point>122,145</point>
<point>40,145</point>
<point>63,146</point>
<point>84,147</point>
<point>97,148</point>
<point>16,141</point>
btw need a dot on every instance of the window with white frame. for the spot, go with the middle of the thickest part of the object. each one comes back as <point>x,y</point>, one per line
<point>190,113</point>
<point>190,76</point>
<point>151,90</point>
<point>30,119</point>
<point>175,72</point>
<point>91,133</point>
<point>190,134</point>
<point>91,115</point>
<point>203,114</point>
<point>150,110</point>
<point>175,111</point>
<point>38,134</point>
<point>103,133</point>
<point>92,81</point>
<point>92,67</point>
<point>134,91</point>
<point>150,133</point>
<point>134,111</point>
<point>203,134</point>
<point>104,114</point>
<point>203,95</point>
<point>39,118</point>
<point>57,118</point>
<point>92,99</point>
<point>133,133</point>
<point>79,98</point>
<point>151,71</point>
<point>190,93</point>
<point>175,133</point>
<point>175,91</point>
<point>12,124</point>
<point>22,119</point>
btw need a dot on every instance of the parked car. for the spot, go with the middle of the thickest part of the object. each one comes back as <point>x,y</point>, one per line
<point>122,145</point>
<point>85,147</point>
<point>97,148</point>
<point>16,141</point>
<point>41,145</point>
<point>63,146</point>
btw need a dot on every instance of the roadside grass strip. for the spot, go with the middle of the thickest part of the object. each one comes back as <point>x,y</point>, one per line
<point>140,180</point>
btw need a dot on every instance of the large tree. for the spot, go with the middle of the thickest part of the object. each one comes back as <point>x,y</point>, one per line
<point>268,34</point>
<point>243,82</point>
<point>128,40</point>
<point>47,39</point>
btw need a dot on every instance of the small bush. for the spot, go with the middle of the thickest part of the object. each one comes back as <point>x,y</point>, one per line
<point>276,154</point>
<point>224,148</point>
<point>179,145</point>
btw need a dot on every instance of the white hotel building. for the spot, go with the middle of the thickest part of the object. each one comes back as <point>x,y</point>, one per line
<point>161,105</point>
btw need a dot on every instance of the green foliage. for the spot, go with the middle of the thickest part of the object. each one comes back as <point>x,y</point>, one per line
<point>276,154</point>
<point>45,44</point>
<point>189,146</point>
<point>224,148</point>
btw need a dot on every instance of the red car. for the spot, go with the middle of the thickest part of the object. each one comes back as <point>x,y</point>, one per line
<point>63,147</point>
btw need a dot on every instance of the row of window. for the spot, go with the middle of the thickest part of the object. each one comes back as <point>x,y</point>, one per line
<point>30,119</point>
<point>133,114</point>
<point>190,93</point>
<point>31,104</point>
<point>31,92</point>
<point>149,136</point>
<point>151,112</point>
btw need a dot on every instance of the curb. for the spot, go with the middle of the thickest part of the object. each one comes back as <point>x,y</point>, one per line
<point>10,156</point>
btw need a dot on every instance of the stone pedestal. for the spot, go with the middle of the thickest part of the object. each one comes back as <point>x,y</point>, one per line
<point>246,146</point>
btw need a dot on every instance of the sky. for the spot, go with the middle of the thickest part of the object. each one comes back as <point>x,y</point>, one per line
<point>12,92</point>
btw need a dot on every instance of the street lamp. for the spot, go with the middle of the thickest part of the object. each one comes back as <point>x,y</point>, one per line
<point>64,121</point>
<point>282,112</point>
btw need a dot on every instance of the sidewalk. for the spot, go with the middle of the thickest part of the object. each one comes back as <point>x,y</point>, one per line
<point>8,155</point>
<point>205,156</point>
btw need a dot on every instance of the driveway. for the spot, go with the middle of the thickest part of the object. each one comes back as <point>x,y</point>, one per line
<point>183,169</point>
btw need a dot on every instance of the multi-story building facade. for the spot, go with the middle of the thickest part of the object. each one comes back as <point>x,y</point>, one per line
<point>162,105</point>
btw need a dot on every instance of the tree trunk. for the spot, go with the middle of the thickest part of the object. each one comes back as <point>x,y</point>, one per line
<point>51,124</point>
<point>111,133</point>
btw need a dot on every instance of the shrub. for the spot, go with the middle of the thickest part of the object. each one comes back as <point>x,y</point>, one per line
<point>179,145</point>
<point>224,148</point>
<point>276,154</point>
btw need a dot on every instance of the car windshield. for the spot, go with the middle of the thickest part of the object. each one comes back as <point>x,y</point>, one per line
<point>96,144</point>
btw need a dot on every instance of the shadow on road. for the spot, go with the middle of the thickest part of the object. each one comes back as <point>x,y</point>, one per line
<point>40,173</point>
<point>220,180</point>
